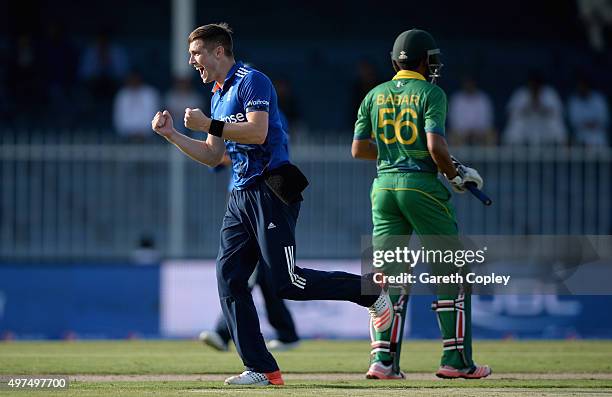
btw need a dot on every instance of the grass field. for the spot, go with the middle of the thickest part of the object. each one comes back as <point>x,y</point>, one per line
<point>321,368</point>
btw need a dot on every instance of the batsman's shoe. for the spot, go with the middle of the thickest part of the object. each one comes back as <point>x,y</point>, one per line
<point>379,370</point>
<point>252,378</point>
<point>214,340</point>
<point>475,372</point>
<point>381,312</point>
<point>276,345</point>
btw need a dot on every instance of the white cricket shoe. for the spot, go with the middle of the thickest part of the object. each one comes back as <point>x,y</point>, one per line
<point>380,371</point>
<point>474,372</point>
<point>381,312</point>
<point>252,378</point>
<point>214,340</point>
<point>276,345</point>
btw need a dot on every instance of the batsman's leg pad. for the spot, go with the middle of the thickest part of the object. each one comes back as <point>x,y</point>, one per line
<point>454,326</point>
<point>398,321</point>
<point>381,341</point>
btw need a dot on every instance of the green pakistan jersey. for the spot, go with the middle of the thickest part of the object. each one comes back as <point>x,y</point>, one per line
<point>408,197</point>
<point>397,114</point>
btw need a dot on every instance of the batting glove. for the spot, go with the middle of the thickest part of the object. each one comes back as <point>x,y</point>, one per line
<point>465,175</point>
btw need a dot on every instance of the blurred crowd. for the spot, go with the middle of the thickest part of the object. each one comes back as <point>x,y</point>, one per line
<point>52,83</point>
<point>535,112</point>
<point>51,80</point>
<point>536,115</point>
<point>96,86</point>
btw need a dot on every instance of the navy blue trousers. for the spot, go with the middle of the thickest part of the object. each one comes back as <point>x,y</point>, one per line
<point>259,227</point>
<point>277,312</point>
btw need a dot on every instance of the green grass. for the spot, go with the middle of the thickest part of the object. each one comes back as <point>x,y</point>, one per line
<point>359,388</point>
<point>189,357</point>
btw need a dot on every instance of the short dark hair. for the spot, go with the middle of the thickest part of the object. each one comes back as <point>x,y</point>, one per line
<point>214,35</point>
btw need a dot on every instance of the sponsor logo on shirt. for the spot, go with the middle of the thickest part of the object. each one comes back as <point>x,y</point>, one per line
<point>258,102</point>
<point>234,118</point>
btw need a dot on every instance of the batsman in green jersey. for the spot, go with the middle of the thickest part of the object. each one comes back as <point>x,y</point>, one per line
<point>401,125</point>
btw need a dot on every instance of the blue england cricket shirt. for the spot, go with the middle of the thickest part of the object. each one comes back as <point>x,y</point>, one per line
<point>248,90</point>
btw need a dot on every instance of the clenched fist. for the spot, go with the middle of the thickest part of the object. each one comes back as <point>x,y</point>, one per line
<point>162,124</point>
<point>196,120</point>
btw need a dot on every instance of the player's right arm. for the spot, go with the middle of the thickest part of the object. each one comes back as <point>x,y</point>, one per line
<point>435,119</point>
<point>438,149</point>
<point>363,147</point>
<point>456,175</point>
<point>209,152</point>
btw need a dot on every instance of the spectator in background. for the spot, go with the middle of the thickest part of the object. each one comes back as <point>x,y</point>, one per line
<point>133,106</point>
<point>103,66</point>
<point>596,16</point>
<point>182,96</point>
<point>471,116</point>
<point>588,114</point>
<point>535,115</point>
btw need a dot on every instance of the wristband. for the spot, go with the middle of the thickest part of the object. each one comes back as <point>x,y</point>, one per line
<point>216,127</point>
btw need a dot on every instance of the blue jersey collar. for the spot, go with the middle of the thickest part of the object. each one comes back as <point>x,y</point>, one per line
<point>230,75</point>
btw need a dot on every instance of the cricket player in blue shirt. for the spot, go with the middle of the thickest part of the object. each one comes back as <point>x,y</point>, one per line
<point>262,211</point>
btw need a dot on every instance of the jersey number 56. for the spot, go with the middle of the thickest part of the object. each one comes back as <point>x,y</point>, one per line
<point>392,128</point>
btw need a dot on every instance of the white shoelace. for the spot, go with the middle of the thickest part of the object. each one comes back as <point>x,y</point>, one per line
<point>378,306</point>
<point>255,376</point>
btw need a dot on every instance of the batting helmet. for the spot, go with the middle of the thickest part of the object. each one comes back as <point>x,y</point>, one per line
<point>415,44</point>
